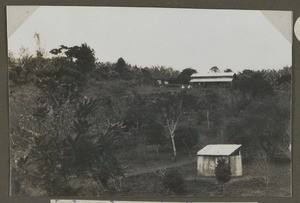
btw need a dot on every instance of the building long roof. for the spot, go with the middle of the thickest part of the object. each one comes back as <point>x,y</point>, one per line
<point>212,75</point>
<point>219,149</point>
<point>211,80</point>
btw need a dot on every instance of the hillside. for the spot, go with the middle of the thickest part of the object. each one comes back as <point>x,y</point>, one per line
<point>78,126</point>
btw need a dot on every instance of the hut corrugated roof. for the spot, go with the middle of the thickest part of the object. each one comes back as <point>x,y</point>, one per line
<point>219,149</point>
<point>212,75</point>
<point>211,80</point>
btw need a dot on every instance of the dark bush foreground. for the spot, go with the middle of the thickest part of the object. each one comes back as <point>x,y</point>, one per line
<point>173,181</point>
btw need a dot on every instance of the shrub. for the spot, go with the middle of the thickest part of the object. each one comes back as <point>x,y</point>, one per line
<point>223,171</point>
<point>173,181</point>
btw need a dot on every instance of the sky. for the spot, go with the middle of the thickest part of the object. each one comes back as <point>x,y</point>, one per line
<point>177,38</point>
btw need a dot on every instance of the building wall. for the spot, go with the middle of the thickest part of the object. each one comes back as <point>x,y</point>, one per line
<point>236,165</point>
<point>213,84</point>
<point>206,164</point>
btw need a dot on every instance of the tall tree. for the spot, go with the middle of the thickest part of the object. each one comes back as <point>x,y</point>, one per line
<point>83,55</point>
<point>39,50</point>
<point>284,79</point>
<point>138,116</point>
<point>263,125</point>
<point>66,149</point>
<point>121,65</point>
<point>214,69</point>
<point>170,109</point>
<point>253,83</point>
<point>185,76</point>
<point>228,70</point>
<point>59,78</point>
<point>210,104</point>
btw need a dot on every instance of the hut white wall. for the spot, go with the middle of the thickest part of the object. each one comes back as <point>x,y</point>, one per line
<point>236,165</point>
<point>206,164</point>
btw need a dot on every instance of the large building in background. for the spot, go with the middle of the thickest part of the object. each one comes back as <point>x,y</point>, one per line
<point>212,79</point>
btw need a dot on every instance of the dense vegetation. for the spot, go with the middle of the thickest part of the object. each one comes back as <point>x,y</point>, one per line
<point>75,119</point>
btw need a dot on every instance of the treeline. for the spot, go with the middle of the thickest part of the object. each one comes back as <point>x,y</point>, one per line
<point>73,117</point>
<point>79,61</point>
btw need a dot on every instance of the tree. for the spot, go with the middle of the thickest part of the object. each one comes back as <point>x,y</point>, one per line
<point>106,164</point>
<point>169,108</point>
<point>210,103</point>
<point>284,79</point>
<point>253,83</point>
<point>41,128</point>
<point>59,78</point>
<point>185,76</point>
<point>67,150</point>
<point>263,168</point>
<point>23,70</point>
<point>121,66</point>
<point>83,55</point>
<point>228,70</point>
<point>214,69</point>
<point>39,51</point>
<point>262,125</point>
<point>223,173</point>
<point>163,72</point>
<point>138,113</point>
<point>138,120</point>
<point>121,62</point>
<point>147,78</point>
<point>66,145</point>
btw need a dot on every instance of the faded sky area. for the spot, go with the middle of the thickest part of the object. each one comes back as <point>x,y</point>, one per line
<point>178,38</point>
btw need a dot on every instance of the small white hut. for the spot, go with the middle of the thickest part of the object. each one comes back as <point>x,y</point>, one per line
<point>207,158</point>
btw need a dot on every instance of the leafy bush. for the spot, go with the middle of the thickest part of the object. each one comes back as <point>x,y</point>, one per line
<point>173,181</point>
<point>223,171</point>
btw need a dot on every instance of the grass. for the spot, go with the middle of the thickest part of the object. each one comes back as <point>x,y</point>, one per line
<point>252,183</point>
<point>153,167</point>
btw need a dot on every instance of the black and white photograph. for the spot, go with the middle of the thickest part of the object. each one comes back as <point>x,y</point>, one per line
<point>149,102</point>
